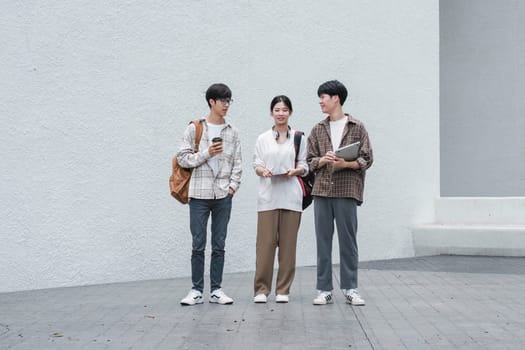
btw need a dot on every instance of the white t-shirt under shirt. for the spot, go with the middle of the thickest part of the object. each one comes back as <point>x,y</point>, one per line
<point>279,191</point>
<point>336,131</point>
<point>214,130</point>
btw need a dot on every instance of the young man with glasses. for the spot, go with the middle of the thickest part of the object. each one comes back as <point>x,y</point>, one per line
<point>216,177</point>
<point>337,191</point>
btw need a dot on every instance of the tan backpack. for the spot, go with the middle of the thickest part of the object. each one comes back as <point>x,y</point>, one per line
<point>180,177</point>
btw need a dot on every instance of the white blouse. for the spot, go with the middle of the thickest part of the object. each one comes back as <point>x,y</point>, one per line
<point>279,191</point>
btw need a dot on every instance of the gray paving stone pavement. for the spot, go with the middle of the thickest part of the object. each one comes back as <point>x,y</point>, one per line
<point>438,302</point>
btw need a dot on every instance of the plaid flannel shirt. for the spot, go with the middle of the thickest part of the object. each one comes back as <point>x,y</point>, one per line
<point>204,184</point>
<point>342,183</point>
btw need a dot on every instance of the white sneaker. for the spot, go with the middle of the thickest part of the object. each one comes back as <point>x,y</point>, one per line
<point>219,297</point>
<point>353,298</point>
<point>193,297</point>
<point>324,298</point>
<point>260,298</point>
<point>282,298</point>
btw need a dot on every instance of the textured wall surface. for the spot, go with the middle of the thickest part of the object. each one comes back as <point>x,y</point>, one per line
<point>482,104</point>
<point>95,96</point>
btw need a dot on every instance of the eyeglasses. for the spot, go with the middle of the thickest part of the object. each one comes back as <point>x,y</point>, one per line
<point>226,101</point>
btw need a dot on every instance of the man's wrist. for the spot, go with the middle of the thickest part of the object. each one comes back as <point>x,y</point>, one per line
<point>355,165</point>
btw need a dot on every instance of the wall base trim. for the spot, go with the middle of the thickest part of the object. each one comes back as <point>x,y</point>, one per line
<point>494,240</point>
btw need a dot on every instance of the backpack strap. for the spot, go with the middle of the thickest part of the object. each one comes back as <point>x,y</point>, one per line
<point>297,142</point>
<point>198,134</point>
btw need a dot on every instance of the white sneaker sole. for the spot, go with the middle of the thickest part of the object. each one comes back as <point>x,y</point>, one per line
<point>355,303</point>
<point>218,302</point>
<point>191,304</point>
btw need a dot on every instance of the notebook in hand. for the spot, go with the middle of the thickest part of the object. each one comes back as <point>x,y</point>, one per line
<point>349,152</point>
<point>279,167</point>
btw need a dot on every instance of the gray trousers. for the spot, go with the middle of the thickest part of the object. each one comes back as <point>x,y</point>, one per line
<point>344,212</point>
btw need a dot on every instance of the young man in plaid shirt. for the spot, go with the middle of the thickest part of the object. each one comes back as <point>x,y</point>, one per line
<point>215,178</point>
<point>338,191</point>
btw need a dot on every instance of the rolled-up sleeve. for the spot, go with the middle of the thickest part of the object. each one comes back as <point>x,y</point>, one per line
<point>366,157</point>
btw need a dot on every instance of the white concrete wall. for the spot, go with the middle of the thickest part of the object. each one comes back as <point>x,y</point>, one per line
<point>94,97</point>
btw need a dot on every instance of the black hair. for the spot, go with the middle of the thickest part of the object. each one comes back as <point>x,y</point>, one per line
<point>283,99</point>
<point>333,88</point>
<point>217,91</point>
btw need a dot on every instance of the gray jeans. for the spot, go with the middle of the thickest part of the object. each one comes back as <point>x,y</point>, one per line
<point>344,212</point>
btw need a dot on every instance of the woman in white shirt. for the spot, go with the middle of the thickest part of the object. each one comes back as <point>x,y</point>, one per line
<point>279,202</point>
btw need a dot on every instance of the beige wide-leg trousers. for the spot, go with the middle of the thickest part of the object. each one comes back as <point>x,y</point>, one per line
<point>276,229</point>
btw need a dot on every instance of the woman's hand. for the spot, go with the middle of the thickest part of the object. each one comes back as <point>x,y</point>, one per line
<point>295,172</point>
<point>264,172</point>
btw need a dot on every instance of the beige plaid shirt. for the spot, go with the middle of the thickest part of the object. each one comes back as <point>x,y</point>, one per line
<point>204,184</point>
<point>344,183</point>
